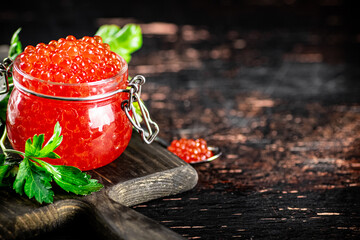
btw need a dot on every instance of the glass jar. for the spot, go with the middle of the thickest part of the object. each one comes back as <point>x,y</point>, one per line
<point>95,127</point>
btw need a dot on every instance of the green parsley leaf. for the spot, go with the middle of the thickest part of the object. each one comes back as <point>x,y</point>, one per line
<point>34,181</point>
<point>34,148</point>
<point>3,169</point>
<point>6,170</point>
<point>71,179</point>
<point>15,45</point>
<point>3,172</point>
<point>123,41</point>
<point>3,106</point>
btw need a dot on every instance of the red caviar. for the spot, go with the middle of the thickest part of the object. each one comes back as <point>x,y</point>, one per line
<point>95,131</point>
<point>190,150</point>
<point>71,60</point>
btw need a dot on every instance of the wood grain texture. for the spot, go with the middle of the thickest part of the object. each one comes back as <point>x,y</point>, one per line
<point>119,222</point>
<point>142,173</point>
<point>39,220</point>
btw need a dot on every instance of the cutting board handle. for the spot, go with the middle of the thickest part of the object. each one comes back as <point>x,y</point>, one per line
<point>110,219</point>
<point>42,220</point>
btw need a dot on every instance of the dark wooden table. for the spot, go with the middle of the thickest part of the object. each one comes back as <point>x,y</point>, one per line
<point>277,88</point>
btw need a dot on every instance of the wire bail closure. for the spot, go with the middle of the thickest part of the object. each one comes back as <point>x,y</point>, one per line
<point>5,73</point>
<point>127,105</point>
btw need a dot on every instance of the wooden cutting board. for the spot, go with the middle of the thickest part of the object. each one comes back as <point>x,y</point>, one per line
<point>142,173</point>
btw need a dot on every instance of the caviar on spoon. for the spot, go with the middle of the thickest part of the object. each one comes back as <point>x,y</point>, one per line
<point>193,150</point>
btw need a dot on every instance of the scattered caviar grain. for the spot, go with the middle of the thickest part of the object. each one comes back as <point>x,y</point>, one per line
<point>61,60</point>
<point>190,150</point>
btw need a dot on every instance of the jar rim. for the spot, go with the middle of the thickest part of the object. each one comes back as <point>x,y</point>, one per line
<point>70,90</point>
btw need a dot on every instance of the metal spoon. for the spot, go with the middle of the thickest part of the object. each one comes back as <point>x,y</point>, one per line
<point>215,150</point>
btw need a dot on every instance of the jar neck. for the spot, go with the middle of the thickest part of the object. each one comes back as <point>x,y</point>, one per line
<point>71,99</point>
<point>70,91</point>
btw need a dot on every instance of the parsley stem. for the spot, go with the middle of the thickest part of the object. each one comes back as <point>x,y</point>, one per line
<point>14,151</point>
<point>2,141</point>
<point>4,149</point>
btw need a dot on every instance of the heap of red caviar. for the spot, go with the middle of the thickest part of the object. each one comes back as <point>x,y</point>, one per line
<point>190,150</point>
<point>71,60</point>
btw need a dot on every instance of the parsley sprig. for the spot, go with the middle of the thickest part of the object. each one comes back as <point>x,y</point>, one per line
<point>33,176</point>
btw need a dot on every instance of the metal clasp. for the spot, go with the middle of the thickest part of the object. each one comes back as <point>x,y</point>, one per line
<point>127,105</point>
<point>5,73</point>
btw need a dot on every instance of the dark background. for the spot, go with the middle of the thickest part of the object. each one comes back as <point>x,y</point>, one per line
<point>274,83</point>
<point>44,20</point>
<point>330,24</point>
